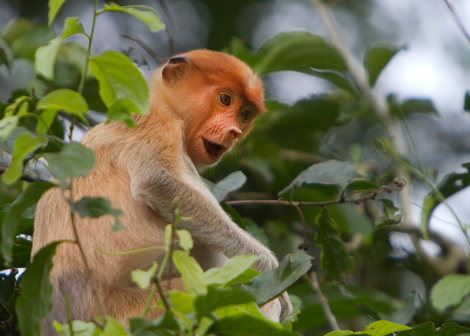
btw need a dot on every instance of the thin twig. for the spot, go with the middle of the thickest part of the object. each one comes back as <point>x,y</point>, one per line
<point>457,20</point>
<point>324,302</point>
<point>142,44</point>
<point>400,184</point>
<point>166,303</point>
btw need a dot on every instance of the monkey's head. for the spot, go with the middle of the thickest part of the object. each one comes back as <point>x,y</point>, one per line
<point>217,97</point>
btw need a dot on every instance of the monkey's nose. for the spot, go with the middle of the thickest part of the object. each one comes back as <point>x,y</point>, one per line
<point>235,132</point>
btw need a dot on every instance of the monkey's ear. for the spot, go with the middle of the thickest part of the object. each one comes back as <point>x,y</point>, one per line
<point>175,69</point>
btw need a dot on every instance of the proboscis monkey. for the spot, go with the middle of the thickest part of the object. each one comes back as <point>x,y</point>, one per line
<point>202,103</point>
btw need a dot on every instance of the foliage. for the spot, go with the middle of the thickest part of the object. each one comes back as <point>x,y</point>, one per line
<point>333,200</point>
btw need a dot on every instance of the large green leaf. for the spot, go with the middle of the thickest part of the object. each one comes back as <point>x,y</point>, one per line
<point>450,291</point>
<point>34,301</point>
<point>383,328</point>
<point>231,269</point>
<point>450,185</point>
<point>243,325</point>
<point>45,56</point>
<point>298,51</point>
<point>217,297</point>
<point>72,161</point>
<point>144,13</point>
<point>332,172</point>
<point>272,283</point>
<point>377,57</point>
<point>191,272</point>
<point>119,78</point>
<point>67,100</point>
<point>25,144</point>
<point>335,258</point>
<point>13,216</point>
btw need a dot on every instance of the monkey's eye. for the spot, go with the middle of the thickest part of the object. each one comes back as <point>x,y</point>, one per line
<point>246,115</point>
<point>225,99</point>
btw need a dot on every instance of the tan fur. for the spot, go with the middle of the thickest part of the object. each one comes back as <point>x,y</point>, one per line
<point>141,170</point>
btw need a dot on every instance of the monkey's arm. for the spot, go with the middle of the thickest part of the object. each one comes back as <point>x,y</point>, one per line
<point>210,225</point>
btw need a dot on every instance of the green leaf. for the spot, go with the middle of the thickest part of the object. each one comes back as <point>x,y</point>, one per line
<point>54,7</point>
<point>332,172</point>
<point>94,207</point>
<point>25,144</point>
<point>47,118</point>
<point>389,216</point>
<point>341,333</point>
<point>143,279</point>
<point>121,110</point>
<point>119,78</point>
<point>72,161</point>
<point>335,258</point>
<point>34,301</point>
<point>45,56</point>
<point>185,239</point>
<point>450,291</point>
<point>415,106</point>
<point>191,272</point>
<point>13,216</point>
<point>231,269</point>
<point>243,325</point>
<point>67,100</point>
<point>272,283</point>
<point>466,104</point>
<point>158,327</point>
<point>217,297</point>
<point>114,328</point>
<point>377,57</point>
<point>145,14</point>
<point>232,182</point>
<point>297,51</point>
<point>362,185</point>
<point>450,185</point>
<point>383,328</point>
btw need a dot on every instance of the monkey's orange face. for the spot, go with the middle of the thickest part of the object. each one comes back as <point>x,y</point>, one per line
<point>231,118</point>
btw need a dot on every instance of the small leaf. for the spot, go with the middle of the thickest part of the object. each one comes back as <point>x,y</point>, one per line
<point>389,216</point>
<point>450,185</point>
<point>54,7</point>
<point>327,173</point>
<point>45,56</point>
<point>145,14</point>
<point>297,51</point>
<point>25,144</point>
<point>185,239</point>
<point>383,328</point>
<point>362,185</point>
<point>217,297</point>
<point>158,327</point>
<point>231,269</point>
<point>377,58</point>
<point>143,279</point>
<point>121,110</point>
<point>34,301</point>
<point>415,106</point>
<point>335,258</point>
<point>232,182</point>
<point>94,207</point>
<point>466,104</point>
<point>450,291</point>
<point>67,100</point>
<point>242,325</point>
<point>72,161</point>
<point>10,224</point>
<point>119,78</point>
<point>272,283</point>
<point>191,272</point>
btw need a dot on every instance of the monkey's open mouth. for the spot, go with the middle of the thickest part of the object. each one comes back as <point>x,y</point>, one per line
<point>212,148</point>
